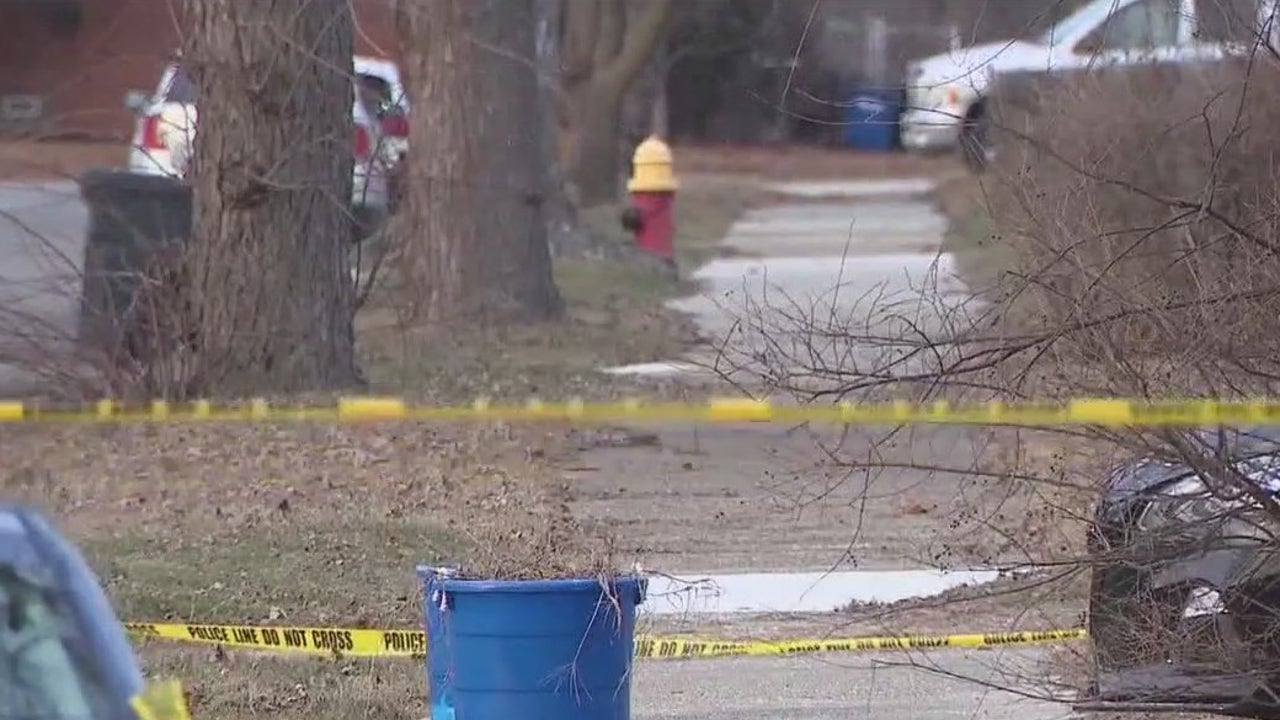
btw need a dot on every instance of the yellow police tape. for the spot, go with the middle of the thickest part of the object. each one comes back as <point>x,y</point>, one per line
<point>413,643</point>
<point>1111,412</point>
<point>161,700</point>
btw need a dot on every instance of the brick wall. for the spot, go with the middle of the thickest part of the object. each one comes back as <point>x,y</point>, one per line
<point>85,66</point>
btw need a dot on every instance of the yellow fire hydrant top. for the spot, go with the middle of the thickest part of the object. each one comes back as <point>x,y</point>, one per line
<point>654,167</point>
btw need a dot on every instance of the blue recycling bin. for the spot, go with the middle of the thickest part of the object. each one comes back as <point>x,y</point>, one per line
<point>534,650</point>
<point>871,119</point>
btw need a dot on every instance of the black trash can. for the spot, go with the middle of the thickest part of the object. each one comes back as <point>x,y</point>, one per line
<point>133,219</point>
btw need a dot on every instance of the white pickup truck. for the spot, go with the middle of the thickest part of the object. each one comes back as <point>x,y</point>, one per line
<point>946,93</point>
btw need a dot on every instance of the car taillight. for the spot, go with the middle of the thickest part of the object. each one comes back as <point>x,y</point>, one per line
<point>152,138</point>
<point>363,144</point>
<point>396,126</point>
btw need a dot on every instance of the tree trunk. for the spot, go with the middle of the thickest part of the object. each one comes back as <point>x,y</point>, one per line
<point>517,193</point>
<point>442,257</point>
<point>476,186</point>
<point>606,43</point>
<point>270,288</point>
<point>594,160</point>
<point>565,234</point>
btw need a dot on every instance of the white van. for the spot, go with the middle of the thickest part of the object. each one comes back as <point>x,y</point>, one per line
<point>946,93</point>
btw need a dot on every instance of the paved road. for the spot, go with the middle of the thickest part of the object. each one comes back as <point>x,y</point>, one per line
<point>42,230</point>
<point>834,687</point>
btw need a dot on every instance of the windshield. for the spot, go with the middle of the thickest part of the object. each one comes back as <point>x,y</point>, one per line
<point>1078,22</point>
<point>45,670</point>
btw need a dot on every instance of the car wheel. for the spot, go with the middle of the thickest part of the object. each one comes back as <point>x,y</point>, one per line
<point>975,146</point>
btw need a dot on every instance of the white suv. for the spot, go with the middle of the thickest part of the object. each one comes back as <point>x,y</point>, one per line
<point>166,124</point>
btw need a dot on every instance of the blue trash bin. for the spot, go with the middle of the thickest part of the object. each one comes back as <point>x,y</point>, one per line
<point>871,119</point>
<point>534,650</point>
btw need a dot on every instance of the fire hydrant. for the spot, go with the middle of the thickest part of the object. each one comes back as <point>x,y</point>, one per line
<point>653,193</point>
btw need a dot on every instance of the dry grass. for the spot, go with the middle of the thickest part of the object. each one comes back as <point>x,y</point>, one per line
<point>241,686</point>
<point>614,315</point>
<point>324,525</point>
<point>1147,244</point>
<point>1127,229</point>
<point>299,525</point>
<point>340,510</point>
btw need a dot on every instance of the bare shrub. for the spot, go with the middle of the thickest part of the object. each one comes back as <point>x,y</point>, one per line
<point>1141,209</point>
<point>1137,212</point>
<point>150,347</point>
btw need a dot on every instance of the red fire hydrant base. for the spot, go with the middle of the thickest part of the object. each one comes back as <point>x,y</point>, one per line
<point>656,236</point>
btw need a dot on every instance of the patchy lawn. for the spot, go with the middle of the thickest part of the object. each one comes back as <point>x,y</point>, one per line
<point>614,315</point>
<point>323,525</point>
<point>305,525</point>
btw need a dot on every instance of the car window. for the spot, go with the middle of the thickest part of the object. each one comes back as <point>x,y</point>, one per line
<point>1220,21</point>
<point>1141,26</point>
<point>181,89</point>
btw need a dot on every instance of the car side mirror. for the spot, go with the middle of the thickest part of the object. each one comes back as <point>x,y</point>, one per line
<point>135,100</point>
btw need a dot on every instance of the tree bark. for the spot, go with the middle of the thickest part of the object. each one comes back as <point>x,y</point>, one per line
<point>477,187</point>
<point>270,288</point>
<point>594,161</point>
<point>442,258</point>
<point>606,45</point>
<point>565,235</point>
<point>517,193</point>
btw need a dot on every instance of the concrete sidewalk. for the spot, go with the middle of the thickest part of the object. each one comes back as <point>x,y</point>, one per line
<point>822,276</point>
<point>835,276</point>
